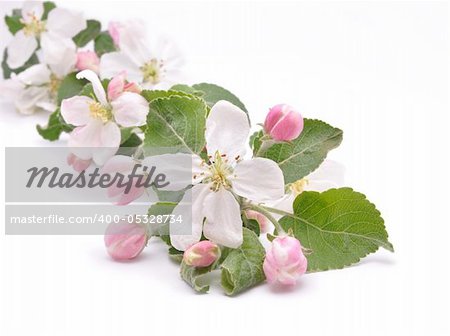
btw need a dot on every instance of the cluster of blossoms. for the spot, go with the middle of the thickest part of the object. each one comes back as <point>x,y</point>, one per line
<point>114,89</point>
<point>50,44</point>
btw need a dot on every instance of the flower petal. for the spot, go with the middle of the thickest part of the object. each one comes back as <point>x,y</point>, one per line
<point>112,64</point>
<point>29,99</point>
<point>99,91</point>
<point>20,49</point>
<point>38,74</point>
<point>66,23</point>
<point>227,129</point>
<point>84,139</point>
<point>32,9</point>
<point>109,143</point>
<point>134,42</point>
<point>190,210</point>
<point>179,169</point>
<point>130,109</point>
<point>116,86</point>
<point>75,110</point>
<point>122,164</point>
<point>59,53</point>
<point>258,180</point>
<point>223,223</point>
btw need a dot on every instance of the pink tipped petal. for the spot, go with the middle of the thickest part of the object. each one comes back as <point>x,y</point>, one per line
<point>114,31</point>
<point>132,87</point>
<point>133,194</point>
<point>288,128</point>
<point>116,86</point>
<point>260,218</point>
<point>124,240</point>
<point>130,109</point>
<point>202,254</point>
<point>284,261</point>
<point>87,60</point>
<point>119,164</point>
<point>75,110</point>
<point>78,164</point>
<point>283,123</point>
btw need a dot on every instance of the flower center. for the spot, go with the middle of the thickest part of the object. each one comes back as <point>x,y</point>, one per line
<point>298,186</point>
<point>100,112</point>
<point>53,85</point>
<point>219,171</point>
<point>152,71</point>
<point>34,27</point>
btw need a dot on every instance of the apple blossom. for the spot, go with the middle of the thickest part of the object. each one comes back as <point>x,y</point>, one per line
<point>284,261</point>
<point>53,35</point>
<point>201,254</point>
<point>151,64</point>
<point>219,182</point>
<point>36,88</point>
<point>125,240</point>
<point>87,60</point>
<point>283,123</point>
<point>97,132</point>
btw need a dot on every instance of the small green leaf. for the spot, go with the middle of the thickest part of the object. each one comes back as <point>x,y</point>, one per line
<point>255,140</point>
<point>242,268</point>
<point>307,152</point>
<point>155,94</point>
<point>14,23</point>
<point>103,44</point>
<point>7,71</point>
<point>70,86</point>
<point>212,93</point>
<point>48,6</point>
<point>56,125</point>
<point>88,34</point>
<point>186,89</point>
<point>339,226</point>
<point>176,122</point>
<point>162,230</point>
<point>196,277</point>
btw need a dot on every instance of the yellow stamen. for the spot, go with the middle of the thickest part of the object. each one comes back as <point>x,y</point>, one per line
<point>34,27</point>
<point>98,111</point>
<point>298,186</point>
<point>152,71</point>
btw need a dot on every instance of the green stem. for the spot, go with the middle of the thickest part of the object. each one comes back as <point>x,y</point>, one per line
<point>278,211</point>
<point>265,145</point>
<point>269,216</point>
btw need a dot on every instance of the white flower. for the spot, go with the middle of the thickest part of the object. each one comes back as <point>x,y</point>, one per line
<point>54,34</point>
<point>36,88</point>
<point>329,175</point>
<point>97,132</point>
<point>153,65</point>
<point>212,205</point>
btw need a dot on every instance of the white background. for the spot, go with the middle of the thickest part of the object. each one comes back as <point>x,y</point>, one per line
<point>379,71</point>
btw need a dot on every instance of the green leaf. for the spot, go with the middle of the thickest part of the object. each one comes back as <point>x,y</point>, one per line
<point>155,94</point>
<point>339,226</point>
<point>186,89</point>
<point>103,44</point>
<point>177,122</point>
<point>212,93</point>
<point>56,125</point>
<point>157,209</point>
<point>255,140</point>
<point>48,6</point>
<point>305,154</point>
<point>70,86</point>
<point>196,276</point>
<point>88,34</point>
<point>7,71</point>
<point>242,268</point>
<point>14,23</point>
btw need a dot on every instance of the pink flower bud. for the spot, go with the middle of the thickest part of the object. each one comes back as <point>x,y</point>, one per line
<point>87,60</point>
<point>78,164</point>
<point>132,87</point>
<point>283,123</point>
<point>284,261</point>
<point>202,254</point>
<point>125,240</point>
<point>114,31</point>
<point>260,218</point>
